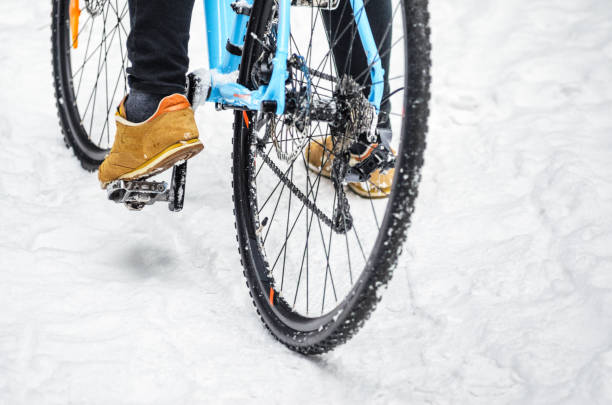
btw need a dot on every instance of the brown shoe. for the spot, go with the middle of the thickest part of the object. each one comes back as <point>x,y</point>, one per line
<point>143,149</point>
<point>319,158</point>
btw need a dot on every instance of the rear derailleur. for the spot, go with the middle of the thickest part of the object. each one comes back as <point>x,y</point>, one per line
<point>358,133</point>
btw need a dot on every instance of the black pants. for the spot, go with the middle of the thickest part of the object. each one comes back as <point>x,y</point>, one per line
<point>349,55</point>
<point>157,44</point>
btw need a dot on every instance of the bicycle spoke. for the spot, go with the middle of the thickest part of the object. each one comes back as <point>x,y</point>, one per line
<point>287,230</point>
<point>87,58</point>
<point>92,77</point>
<point>271,221</point>
<point>110,106</point>
<point>99,72</point>
<point>86,50</point>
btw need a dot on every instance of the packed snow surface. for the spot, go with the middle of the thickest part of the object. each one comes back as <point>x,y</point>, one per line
<point>503,295</point>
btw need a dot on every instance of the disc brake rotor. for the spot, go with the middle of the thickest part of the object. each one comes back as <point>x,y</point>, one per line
<point>297,117</point>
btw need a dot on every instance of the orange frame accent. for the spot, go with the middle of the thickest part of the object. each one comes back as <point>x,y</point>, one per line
<point>75,13</point>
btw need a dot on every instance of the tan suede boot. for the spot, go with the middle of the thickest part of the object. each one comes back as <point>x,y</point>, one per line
<point>319,158</point>
<point>143,149</point>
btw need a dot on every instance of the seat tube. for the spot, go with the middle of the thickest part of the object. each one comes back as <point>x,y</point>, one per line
<point>238,32</point>
<point>219,15</point>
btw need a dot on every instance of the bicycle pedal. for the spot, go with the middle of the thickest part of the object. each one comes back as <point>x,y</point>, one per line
<point>137,194</point>
<point>381,158</point>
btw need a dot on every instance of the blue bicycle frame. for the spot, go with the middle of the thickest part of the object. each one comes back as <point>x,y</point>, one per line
<point>223,25</point>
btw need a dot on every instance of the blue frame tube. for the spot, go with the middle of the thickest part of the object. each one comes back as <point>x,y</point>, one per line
<point>236,37</point>
<point>377,73</point>
<point>219,15</point>
<point>276,88</point>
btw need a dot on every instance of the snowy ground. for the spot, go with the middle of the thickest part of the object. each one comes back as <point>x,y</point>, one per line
<point>503,296</point>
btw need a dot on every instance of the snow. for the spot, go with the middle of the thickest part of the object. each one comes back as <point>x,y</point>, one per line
<point>207,77</point>
<point>503,294</point>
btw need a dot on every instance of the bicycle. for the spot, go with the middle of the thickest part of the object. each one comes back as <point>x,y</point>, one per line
<point>316,256</point>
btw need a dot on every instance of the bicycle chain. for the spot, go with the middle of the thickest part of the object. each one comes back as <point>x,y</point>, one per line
<point>341,224</point>
<point>343,220</point>
<point>322,75</point>
<point>314,72</point>
<point>342,212</point>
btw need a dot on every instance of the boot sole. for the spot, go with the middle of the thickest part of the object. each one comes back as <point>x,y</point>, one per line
<point>372,195</point>
<point>163,161</point>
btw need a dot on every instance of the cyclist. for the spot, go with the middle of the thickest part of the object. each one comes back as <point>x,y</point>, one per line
<point>155,122</point>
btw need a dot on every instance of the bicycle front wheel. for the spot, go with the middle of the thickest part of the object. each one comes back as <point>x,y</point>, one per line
<point>89,72</point>
<point>316,255</point>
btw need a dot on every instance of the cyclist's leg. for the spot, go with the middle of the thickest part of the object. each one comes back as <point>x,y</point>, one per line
<point>348,54</point>
<point>157,49</point>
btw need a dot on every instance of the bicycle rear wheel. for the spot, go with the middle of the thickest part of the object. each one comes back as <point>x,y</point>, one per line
<point>313,281</point>
<point>89,72</point>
